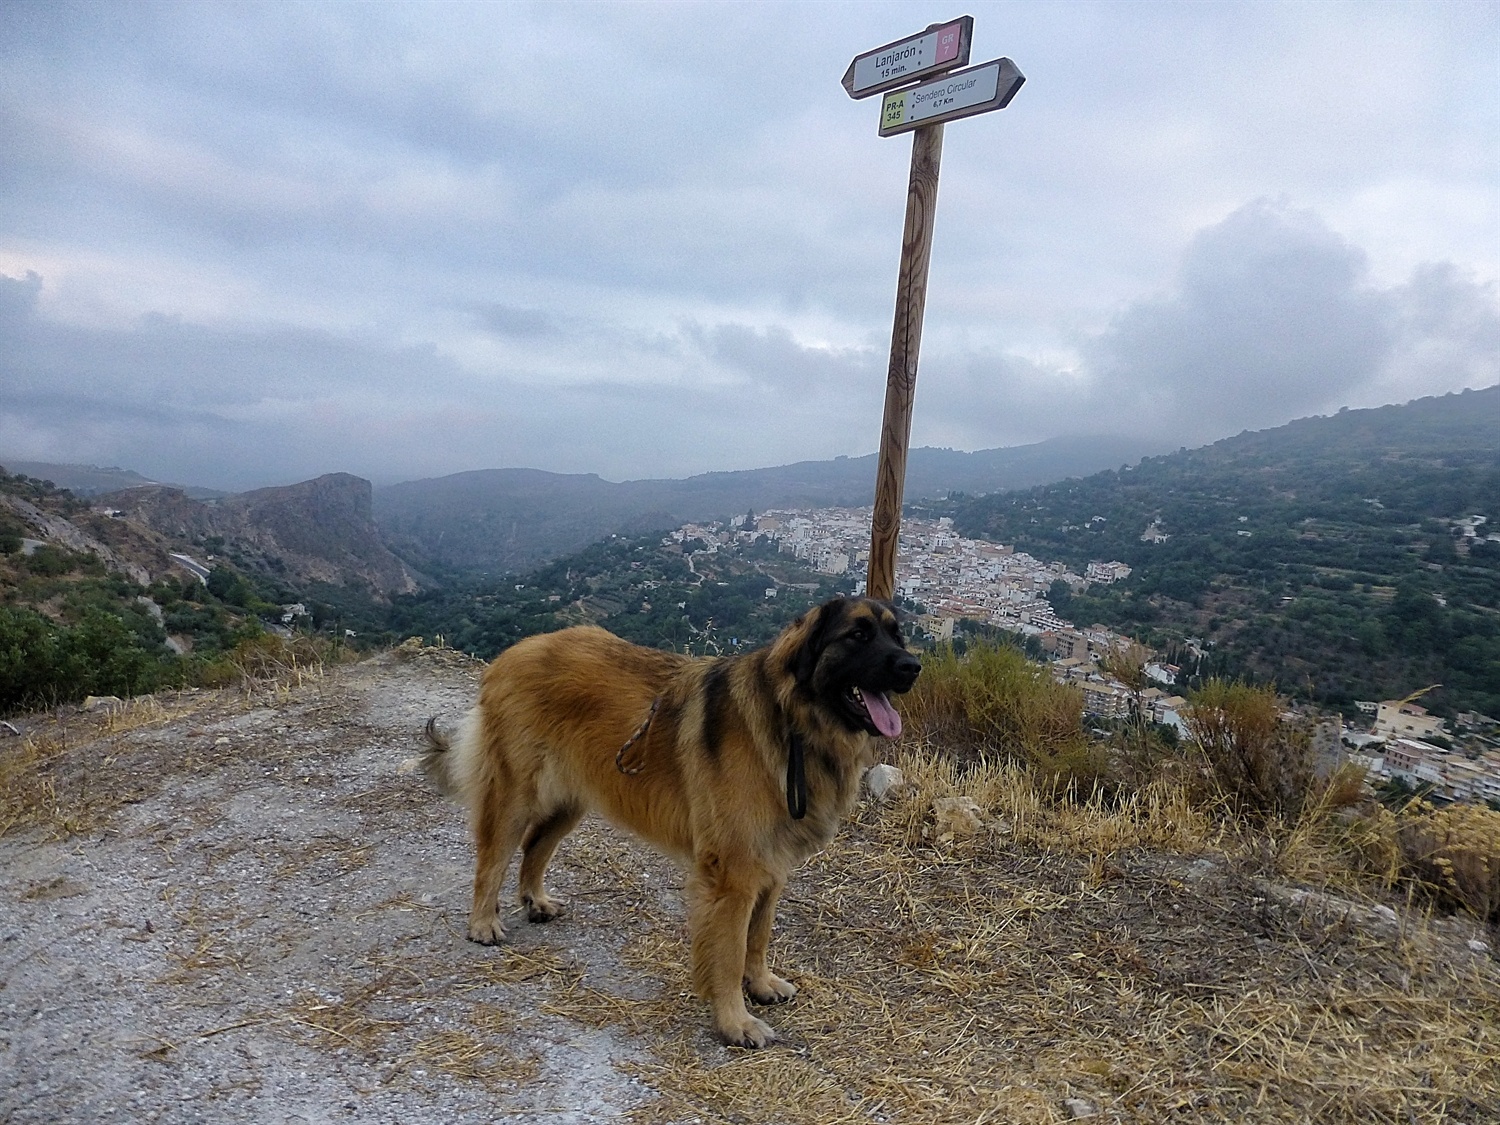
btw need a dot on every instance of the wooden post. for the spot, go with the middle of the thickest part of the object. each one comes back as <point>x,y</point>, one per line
<point>906,342</point>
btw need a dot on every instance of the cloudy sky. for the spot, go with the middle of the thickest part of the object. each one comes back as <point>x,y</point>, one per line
<point>246,244</point>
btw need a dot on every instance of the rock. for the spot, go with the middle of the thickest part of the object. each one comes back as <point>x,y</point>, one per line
<point>883,780</point>
<point>1078,1107</point>
<point>1477,946</point>
<point>955,816</point>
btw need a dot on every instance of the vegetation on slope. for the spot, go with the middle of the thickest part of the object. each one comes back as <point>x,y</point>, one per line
<point>1324,555</point>
<point>71,627</point>
<point>685,597</point>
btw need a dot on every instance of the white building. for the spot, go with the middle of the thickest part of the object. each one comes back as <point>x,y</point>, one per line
<point>1395,719</point>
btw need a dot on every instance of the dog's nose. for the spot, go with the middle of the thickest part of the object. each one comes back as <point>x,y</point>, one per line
<point>907,666</point>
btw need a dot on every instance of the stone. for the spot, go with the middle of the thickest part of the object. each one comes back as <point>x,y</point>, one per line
<point>956,816</point>
<point>882,781</point>
<point>1079,1107</point>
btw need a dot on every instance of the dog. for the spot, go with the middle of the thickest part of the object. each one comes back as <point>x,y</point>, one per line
<point>737,767</point>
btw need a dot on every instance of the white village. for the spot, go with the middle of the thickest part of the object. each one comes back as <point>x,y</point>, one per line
<point>947,579</point>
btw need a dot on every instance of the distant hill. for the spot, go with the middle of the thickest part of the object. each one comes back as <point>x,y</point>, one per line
<point>316,531</point>
<point>92,480</point>
<point>1330,554</point>
<point>499,520</point>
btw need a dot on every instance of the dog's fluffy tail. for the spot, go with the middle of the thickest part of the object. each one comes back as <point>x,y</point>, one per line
<point>437,762</point>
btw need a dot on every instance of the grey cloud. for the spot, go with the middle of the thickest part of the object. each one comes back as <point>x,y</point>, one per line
<point>1273,318</point>
<point>557,264</point>
<point>236,408</point>
<point>1447,335</point>
<point>512,320</point>
<point>167,361</point>
<point>773,358</point>
<point>18,299</point>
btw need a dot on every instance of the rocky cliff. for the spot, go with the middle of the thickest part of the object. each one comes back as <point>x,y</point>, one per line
<point>319,530</point>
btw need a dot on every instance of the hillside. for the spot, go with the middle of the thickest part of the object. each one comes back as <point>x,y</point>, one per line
<point>682,597</point>
<point>147,588</point>
<point>315,532</point>
<point>232,906</point>
<point>1328,554</point>
<point>508,520</point>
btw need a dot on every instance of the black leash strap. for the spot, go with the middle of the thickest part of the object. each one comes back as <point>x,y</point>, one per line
<point>637,766</point>
<point>796,779</point>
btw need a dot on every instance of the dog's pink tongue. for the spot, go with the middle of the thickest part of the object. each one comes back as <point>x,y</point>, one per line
<point>882,714</point>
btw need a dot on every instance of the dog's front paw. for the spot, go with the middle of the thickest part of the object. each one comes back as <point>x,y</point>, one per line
<point>486,931</point>
<point>747,1032</point>
<point>541,908</point>
<point>770,989</point>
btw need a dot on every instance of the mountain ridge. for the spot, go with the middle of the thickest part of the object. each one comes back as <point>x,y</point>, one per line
<point>507,519</point>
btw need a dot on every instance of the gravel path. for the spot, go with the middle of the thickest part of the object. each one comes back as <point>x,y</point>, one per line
<point>272,931</point>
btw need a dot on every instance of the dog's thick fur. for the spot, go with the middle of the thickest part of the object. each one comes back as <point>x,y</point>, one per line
<point>539,751</point>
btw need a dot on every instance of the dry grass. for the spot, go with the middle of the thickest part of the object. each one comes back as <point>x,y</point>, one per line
<point>1456,852</point>
<point>274,661</point>
<point>1109,950</point>
<point>1049,956</point>
<point>65,776</point>
<point>389,1018</point>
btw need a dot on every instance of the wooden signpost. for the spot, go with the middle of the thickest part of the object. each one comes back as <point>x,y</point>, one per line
<point>920,108</point>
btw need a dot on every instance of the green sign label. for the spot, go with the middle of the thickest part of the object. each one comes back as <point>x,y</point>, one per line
<point>894,110</point>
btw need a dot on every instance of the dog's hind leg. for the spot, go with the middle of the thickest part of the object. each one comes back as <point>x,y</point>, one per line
<point>764,986</point>
<point>499,820</point>
<point>537,850</point>
<point>722,897</point>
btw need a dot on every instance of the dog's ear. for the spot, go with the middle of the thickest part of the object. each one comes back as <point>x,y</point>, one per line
<point>820,620</point>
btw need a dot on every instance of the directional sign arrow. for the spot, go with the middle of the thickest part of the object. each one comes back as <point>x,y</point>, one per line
<point>959,93</point>
<point>942,46</point>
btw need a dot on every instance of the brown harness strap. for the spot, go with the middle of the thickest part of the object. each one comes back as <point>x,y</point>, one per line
<point>635,767</point>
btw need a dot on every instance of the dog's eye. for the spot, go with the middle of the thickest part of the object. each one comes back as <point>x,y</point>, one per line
<point>861,633</point>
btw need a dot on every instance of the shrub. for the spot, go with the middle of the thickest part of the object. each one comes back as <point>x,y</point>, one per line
<point>42,664</point>
<point>48,561</point>
<point>28,658</point>
<point>270,657</point>
<point>1261,765</point>
<point>993,703</point>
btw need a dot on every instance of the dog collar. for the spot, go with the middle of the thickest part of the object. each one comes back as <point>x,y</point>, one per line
<point>796,778</point>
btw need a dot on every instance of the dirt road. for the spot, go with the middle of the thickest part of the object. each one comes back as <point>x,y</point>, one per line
<point>273,932</point>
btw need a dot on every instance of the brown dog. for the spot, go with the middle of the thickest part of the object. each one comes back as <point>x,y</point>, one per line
<point>737,767</point>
